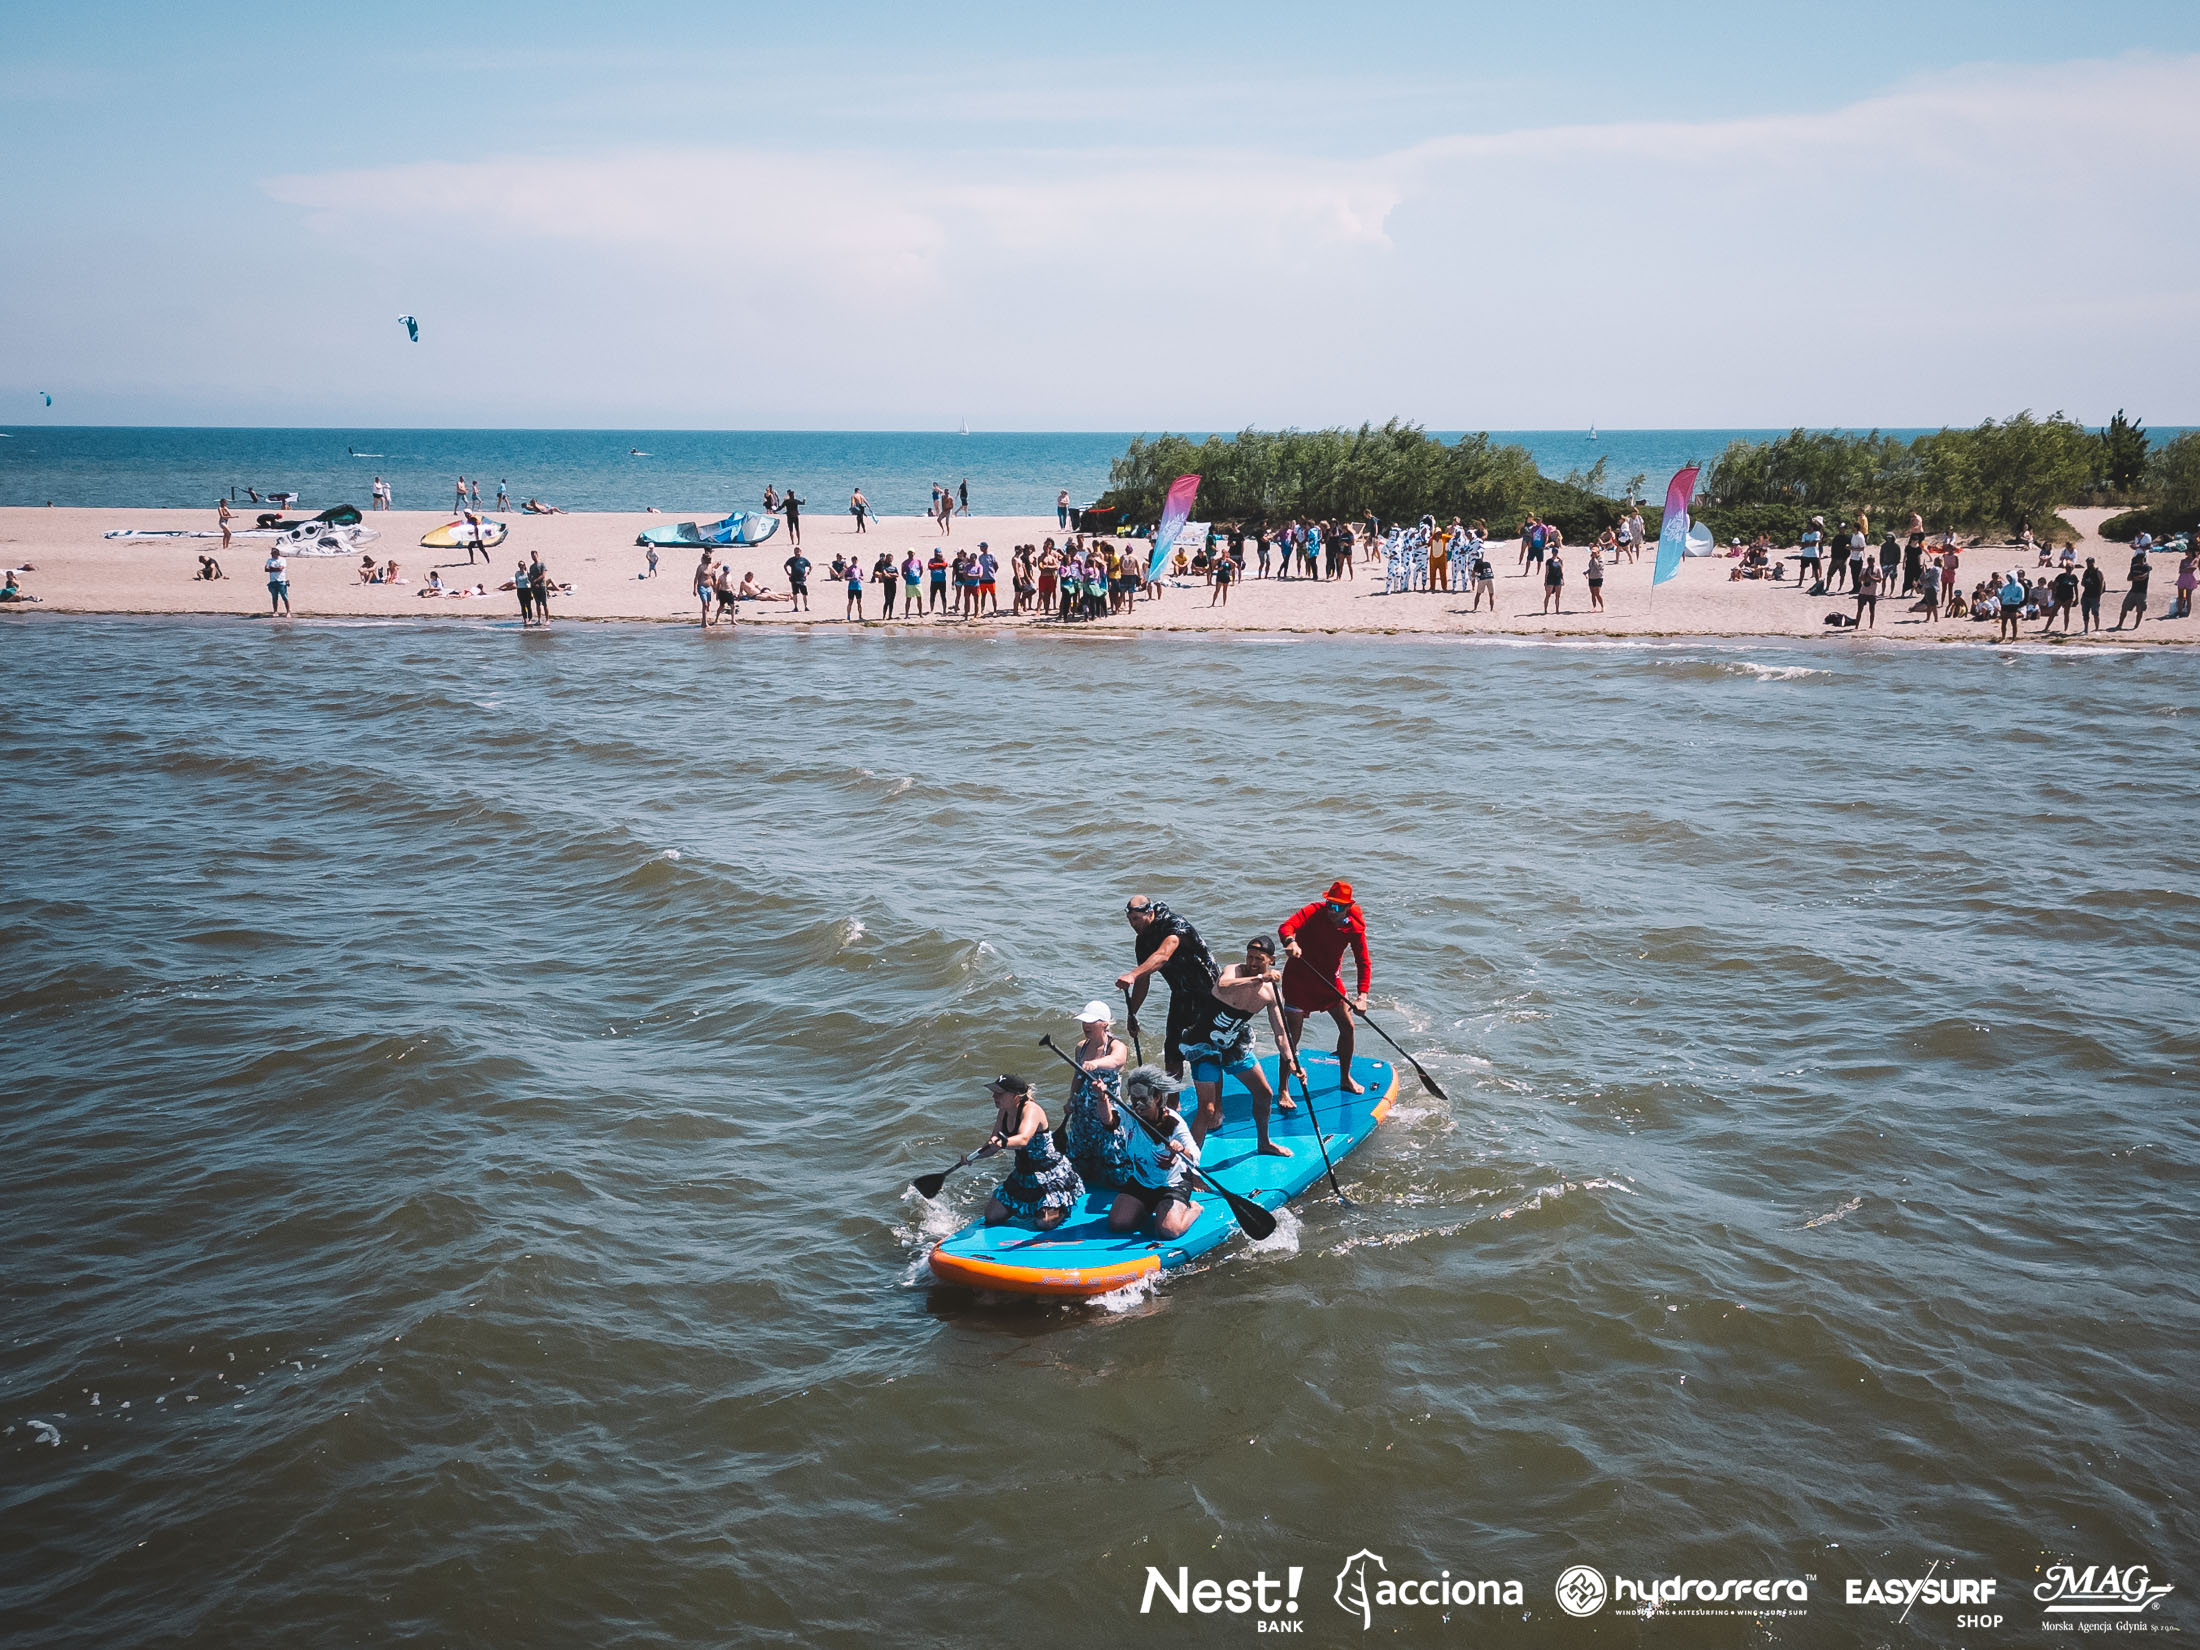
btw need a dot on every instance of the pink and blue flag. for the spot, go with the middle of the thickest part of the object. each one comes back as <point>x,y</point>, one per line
<point>1673,531</point>
<point>1174,514</point>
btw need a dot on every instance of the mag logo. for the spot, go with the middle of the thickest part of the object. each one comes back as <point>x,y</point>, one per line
<point>1361,1591</point>
<point>2099,1590</point>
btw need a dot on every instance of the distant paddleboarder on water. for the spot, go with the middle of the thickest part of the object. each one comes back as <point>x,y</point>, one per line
<point>1171,947</point>
<point>1317,936</point>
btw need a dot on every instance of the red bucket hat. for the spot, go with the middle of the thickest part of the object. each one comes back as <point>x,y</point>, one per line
<point>1340,892</point>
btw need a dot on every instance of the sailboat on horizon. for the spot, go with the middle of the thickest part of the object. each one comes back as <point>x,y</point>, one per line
<point>966,426</point>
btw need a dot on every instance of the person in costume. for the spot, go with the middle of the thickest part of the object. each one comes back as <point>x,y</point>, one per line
<point>1042,1188</point>
<point>1317,936</point>
<point>1220,1041</point>
<point>1170,946</point>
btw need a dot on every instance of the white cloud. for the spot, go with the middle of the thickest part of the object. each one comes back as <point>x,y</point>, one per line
<point>1959,246</point>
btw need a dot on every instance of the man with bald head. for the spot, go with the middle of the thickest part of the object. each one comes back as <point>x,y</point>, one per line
<point>1171,947</point>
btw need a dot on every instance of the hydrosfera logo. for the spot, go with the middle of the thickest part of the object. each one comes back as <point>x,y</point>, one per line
<point>2069,1595</point>
<point>1365,1585</point>
<point>1273,1604</point>
<point>1582,1591</point>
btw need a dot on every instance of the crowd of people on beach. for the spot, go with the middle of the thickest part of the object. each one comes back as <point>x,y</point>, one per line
<point>1124,1129</point>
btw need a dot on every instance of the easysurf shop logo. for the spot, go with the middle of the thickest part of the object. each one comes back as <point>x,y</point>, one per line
<point>1971,1593</point>
<point>1583,1591</point>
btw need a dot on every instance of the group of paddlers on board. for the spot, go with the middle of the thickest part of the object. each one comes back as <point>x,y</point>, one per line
<point>1122,1130</point>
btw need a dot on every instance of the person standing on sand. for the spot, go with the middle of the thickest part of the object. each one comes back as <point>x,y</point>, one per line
<point>2090,586</point>
<point>2135,598</point>
<point>504,495</point>
<point>912,580</point>
<point>278,584</point>
<point>726,594</point>
<point>2188,575</point>
<point>771,499</point>
<point>1596,581</point>
<point>860,507</point>
<point>798,581</point>
<point>1868,581</point>
<point>1170,946</point>
<point>963,493</point>
<point>526,593</point>
<point>2011,597</point>
<point>540,582</point>
<point>1837,563</point>
<point>852,576</point>
<point>1554,582</point>
<point>884,576</point>
<point>1317,936</point>
<point>1485,579</point>
<point>221,519</point>
<point>1225,570</point>
<point>2063,591</point>
<point>989,576</point>
<point>459,503</point>
<point>791,508</point>
<point>936,590</point>
<point>1061,510</point>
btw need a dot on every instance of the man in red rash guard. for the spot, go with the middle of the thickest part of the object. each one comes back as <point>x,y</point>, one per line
<point>1317,937</point>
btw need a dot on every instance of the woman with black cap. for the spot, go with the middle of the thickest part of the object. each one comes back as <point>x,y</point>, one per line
<point>1042,1188</point>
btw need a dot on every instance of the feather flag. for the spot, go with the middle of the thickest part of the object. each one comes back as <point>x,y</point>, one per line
<point>1174,514</point>
<point>1673,531</point>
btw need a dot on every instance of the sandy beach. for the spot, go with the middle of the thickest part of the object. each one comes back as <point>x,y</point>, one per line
<point>77,570</point>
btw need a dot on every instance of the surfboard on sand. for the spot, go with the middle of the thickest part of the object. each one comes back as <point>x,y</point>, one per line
<point>1081,1258</point>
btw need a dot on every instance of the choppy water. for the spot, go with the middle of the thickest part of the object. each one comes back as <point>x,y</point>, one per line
<point>461,1085</point>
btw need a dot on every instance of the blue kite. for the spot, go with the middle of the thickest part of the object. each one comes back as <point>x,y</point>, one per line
<point>411,325</point>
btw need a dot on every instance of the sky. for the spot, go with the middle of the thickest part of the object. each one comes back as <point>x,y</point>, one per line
<point>872,216</point>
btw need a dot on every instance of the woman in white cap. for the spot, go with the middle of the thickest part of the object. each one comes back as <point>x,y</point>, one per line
<point>1094,1133</point>
<point>1042,1188</point>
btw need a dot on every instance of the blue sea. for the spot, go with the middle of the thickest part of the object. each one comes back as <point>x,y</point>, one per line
<point>699,471</point>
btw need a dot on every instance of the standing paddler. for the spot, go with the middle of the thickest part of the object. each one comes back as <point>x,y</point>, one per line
<point>1171,947</point>
<point>1317,937</point>
<point>1219,1042</point>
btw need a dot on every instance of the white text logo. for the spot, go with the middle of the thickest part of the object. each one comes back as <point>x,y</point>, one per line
<point>2099,1590</point>
<point>1581,1591</point>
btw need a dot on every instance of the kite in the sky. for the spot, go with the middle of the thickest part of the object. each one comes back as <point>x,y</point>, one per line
<point>411,326</point>
<point>49,397</point>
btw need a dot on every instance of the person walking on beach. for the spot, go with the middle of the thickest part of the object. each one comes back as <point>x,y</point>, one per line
<point>798,582</point>
<point>1554,582</point>
<point>651,559</point>
<point>963,493</point>
<point>2135,598</point>
<point>1317,937</point>
<point>1168,945</point>
<point>1061,509</point>
<point>459,503</point>
<point>791,508</point>
<point>278,584</point>
<point>726,593</point>
<point>504,495</point>
<point>860,507</point>
<point>705,586</point>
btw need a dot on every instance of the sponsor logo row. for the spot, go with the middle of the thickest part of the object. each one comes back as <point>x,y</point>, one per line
<point>2097,1597</point>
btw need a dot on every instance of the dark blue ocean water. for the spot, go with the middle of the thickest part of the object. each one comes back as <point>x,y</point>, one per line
<point>686,471</point>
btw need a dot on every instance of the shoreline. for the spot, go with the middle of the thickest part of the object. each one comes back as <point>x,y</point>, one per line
<point>78,571</point>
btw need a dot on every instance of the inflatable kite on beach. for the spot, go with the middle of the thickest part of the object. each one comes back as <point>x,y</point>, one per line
<point>739,528</point>
<point>411,326</point>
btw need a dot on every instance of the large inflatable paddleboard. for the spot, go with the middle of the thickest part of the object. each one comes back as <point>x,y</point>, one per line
<point>1081,1257</point>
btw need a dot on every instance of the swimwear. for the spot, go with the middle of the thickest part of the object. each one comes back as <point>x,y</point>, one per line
<point>1042,1179</point>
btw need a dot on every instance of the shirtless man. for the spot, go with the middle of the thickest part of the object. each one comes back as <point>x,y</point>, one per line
<point>1220,1040</point>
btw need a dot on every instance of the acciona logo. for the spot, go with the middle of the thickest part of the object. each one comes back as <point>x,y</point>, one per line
<point>2100,1590</point>
<point>1361,1591</point>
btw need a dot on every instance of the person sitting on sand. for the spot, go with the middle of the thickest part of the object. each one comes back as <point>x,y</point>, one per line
<point>366,571</point>
<point>1042,1188</point>
<point>751,591</point>
<point>434,586</point>
<point>210,569</point>
<point>12,590</point>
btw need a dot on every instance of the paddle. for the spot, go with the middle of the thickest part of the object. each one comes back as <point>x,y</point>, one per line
<point>928,1185</point>
<point>1336,991</point>
<point>1258,1222</point>
<point>1314,1118</point>
<point>1137,1047</point>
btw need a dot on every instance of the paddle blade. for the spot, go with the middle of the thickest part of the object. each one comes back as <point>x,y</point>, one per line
<point>928,1185</point>
<point>1427,1081</point>
<point>1257,1222</point>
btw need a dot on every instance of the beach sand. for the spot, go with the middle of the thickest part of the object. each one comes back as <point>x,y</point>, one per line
<point>79,571</point>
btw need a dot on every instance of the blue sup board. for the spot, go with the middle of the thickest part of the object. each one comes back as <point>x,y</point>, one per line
<point>1081,1257</point>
